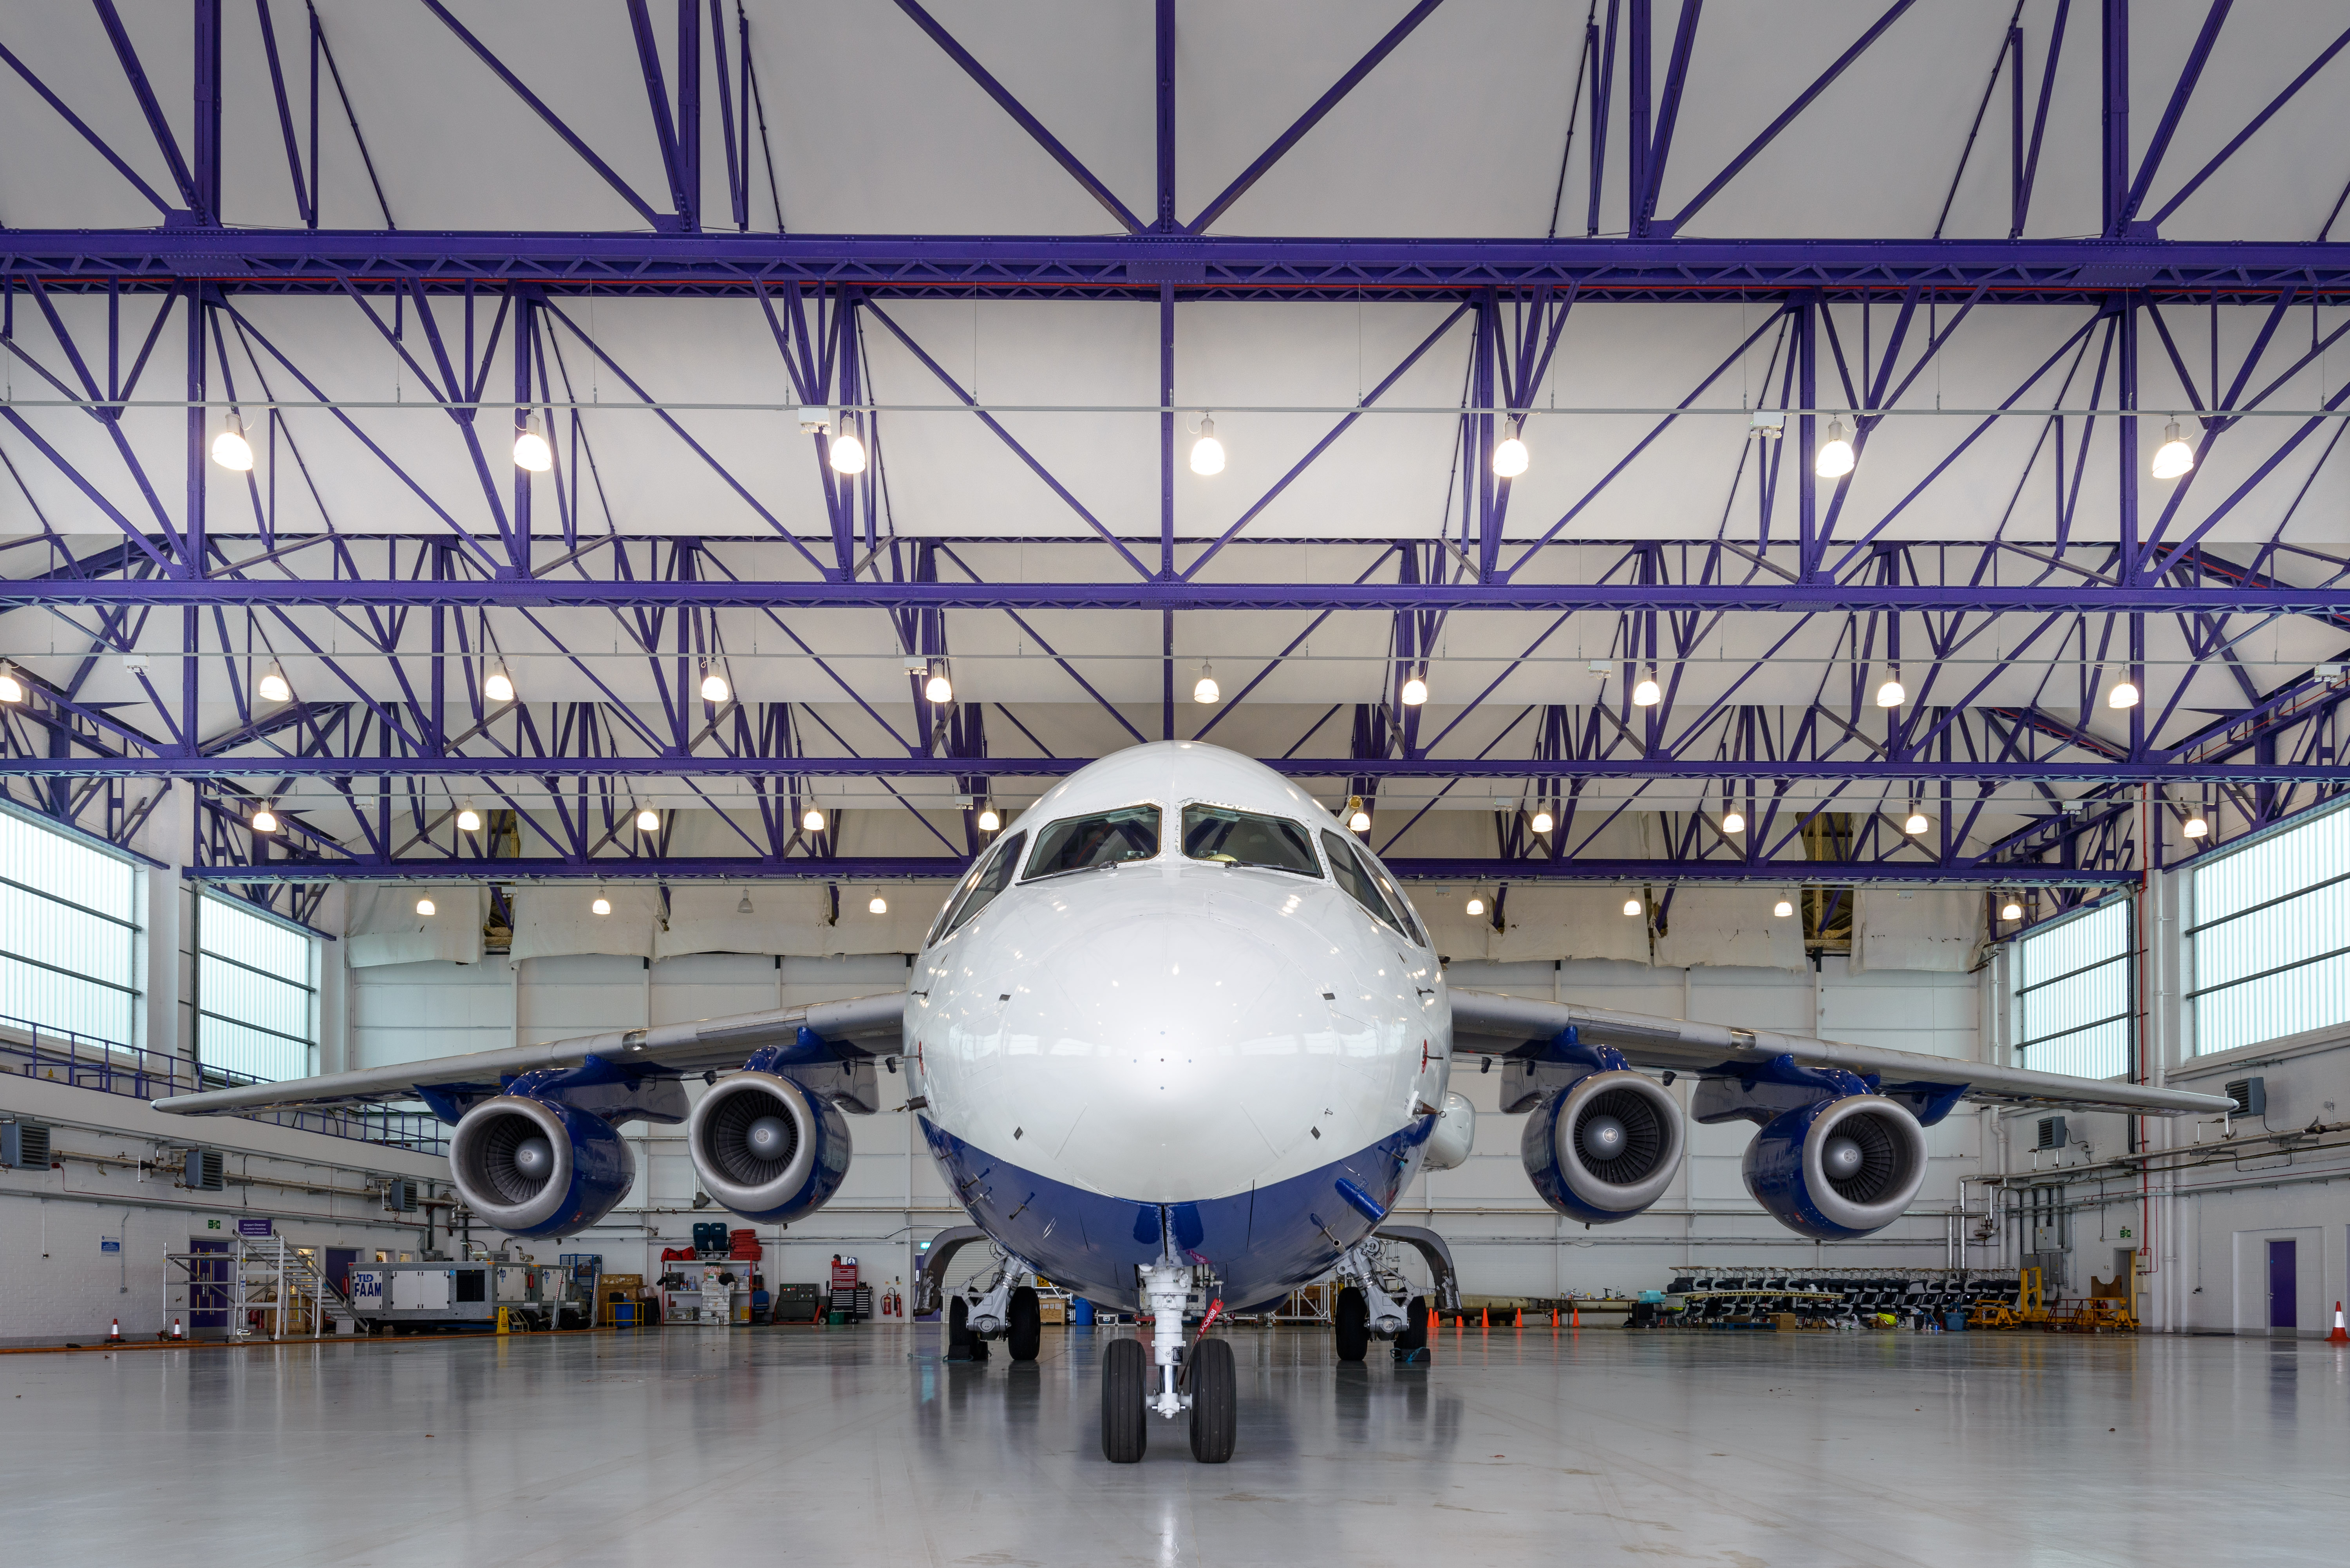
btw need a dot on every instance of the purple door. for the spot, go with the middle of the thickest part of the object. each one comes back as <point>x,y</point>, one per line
<point>2284,1297</point>
<point>208,1291</point>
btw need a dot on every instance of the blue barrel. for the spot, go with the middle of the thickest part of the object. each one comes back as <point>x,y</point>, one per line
<point>1081,1314</point>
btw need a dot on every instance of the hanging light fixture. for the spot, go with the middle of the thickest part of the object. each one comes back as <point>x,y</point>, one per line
<point>468,819</point>
<point>1631,905</point>
<point>231,450</point>
<point>1207,453</point>
<point>1783,909</point>
<point>2011,910</point>
<point>1733,821</point>
<point>744,905</point>
<point>988,821</point>
<point>1509,457</point>
<point>531,452</point>
<point>1415,693</point>
<point>264,820</point>
<point>2174,457</point>
<point>2123,695</point>
<point>424,907</point>
<point>938,688</point>
<point>1892,694</point>
<point>2196,827</point>
<point>272,686</point>
<point>1835,459</point>
<point>1357,818</point>
<point>812,820</point>
<point>1476,905</point>
<point>1207,691</point>
<point>1647,694</point>
<point>1543,822</point>
<point>714,688</point>
<point>847,451</point>
<point>602,906</point>
<point>648,820</point>
<point>11,688</point>
<point>498,686</point>
<point>1917,821</point>
<point>876,905</point>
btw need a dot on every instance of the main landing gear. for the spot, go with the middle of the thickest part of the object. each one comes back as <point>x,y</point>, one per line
<point>1005,1311</point>
<point>1163,1380</point>
<point>1369,1303</point>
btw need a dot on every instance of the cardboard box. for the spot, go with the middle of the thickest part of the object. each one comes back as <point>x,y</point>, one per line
<point>1051,1309</point>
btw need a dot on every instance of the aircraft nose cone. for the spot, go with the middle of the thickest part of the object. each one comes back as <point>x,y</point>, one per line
<point>1182,1048</point>
<point>535,1158</point>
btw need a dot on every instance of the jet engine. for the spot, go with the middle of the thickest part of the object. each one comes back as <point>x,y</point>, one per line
<point>765,1147</point>
<point>1604,1148</point>
<point>1837,1168</point>
<point>533,1167</point>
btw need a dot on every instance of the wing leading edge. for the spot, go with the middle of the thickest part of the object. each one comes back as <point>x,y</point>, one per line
<point>1485,1022</point>
<point>860,1028</point>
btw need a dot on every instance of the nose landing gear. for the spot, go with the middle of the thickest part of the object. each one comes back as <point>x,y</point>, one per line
<point>1166,1381</point>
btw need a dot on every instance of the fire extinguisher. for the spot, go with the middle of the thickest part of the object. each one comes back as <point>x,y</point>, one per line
<point>890,1301</point>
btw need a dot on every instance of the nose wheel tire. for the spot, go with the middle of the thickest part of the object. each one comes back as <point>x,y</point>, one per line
<point>962,1343</point>
<point>1027,1324</point>
<point>1123,1433</point>
<point>1415,1334</point>
<point>1214,1415</point>
<point>1353,1325</point>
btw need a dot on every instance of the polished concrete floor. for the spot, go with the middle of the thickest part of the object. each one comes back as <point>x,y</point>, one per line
<point>859,1446</point>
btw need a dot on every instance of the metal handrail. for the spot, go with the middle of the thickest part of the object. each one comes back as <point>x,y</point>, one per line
<point>86,1061</point>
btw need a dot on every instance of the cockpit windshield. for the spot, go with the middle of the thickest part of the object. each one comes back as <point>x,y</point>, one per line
<point>1244,839</point>
<point>1088,843</point>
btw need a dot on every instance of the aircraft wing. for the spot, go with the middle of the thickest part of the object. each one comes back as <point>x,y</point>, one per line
<point>1487,1024</point>
<point>861,1028</point>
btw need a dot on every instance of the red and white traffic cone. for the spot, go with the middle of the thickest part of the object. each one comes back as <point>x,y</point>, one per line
<point>114,1332</point>
<point>177,1332</point>
<point>2340,1335</point>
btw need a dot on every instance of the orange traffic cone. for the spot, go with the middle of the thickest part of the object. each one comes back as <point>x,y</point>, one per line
<point>2340,1335</point>
<point>1485,1318</point>
<point>1579,1314</point>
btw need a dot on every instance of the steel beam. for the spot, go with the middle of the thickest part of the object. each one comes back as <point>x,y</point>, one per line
<point>1212,266</point>
<point>1767,594</point>
<point>848,870</point>
<point>1896,769</point>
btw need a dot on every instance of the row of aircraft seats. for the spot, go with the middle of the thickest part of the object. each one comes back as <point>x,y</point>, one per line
<point>1914,1296</point>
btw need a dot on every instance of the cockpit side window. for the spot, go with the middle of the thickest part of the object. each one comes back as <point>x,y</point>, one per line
<point>1244,839</point>
<point>1395,896</point>
<point>956,894</point>
<point>991,881</point>
<point>1353,877</point>
<point>1090,843</point>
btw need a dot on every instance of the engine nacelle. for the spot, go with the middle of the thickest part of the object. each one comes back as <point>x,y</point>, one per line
<point>766,1148</point>
<point>533,1167</point>
<point>1838,1168</point>
<point>1604,1148</point>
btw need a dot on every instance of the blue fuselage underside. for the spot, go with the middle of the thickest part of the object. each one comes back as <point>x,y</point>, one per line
<point>1259,1244</point>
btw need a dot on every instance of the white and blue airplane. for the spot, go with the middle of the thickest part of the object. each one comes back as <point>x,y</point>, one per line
<point>1177,1037</point>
